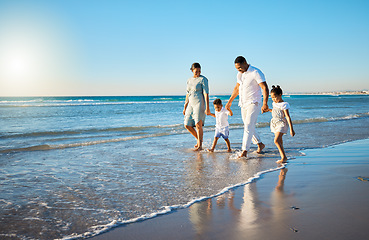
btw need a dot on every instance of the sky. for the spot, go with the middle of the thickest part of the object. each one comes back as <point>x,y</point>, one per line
<point>102,48</point>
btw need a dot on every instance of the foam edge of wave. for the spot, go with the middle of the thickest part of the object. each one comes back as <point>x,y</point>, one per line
<point>100,229</point>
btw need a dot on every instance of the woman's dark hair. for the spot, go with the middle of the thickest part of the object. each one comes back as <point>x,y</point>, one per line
<point>240,60</point>
<point>195,65</point>
<point>277,90</point>
<point>217,102</point>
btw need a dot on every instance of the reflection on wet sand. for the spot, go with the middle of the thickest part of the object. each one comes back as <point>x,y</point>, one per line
<point>245,215</point>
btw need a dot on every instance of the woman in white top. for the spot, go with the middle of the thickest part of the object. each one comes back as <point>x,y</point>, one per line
<point>280,120</point>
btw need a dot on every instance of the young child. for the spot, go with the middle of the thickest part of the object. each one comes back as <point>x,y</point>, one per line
<point>222,125</point>
<point>280,120</point>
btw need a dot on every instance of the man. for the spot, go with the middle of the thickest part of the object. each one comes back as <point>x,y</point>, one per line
<point>250,82</point>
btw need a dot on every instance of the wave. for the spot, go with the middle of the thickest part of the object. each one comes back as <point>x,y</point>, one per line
<point>90,103</point>
<point>308,120</point>
<point>87,131</point>
<point>83,144</point>
<point>99,229</point>
<point>135,132</point>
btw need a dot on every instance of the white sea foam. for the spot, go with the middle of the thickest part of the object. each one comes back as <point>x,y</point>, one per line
<point>99,229</point>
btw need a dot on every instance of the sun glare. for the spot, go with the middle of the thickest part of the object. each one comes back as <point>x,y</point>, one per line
<point>18,66</point>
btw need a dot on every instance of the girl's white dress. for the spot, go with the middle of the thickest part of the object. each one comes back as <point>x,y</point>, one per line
<point>279,121</point>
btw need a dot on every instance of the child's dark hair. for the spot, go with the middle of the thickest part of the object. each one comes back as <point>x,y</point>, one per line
<point>217,102</point>
<point>195,65</point>
<point>277,90</point>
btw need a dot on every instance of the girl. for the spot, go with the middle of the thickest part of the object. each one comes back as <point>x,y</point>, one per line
<point>280,119</point>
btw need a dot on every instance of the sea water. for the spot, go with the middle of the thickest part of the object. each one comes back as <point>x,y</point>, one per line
<point>74,167</point>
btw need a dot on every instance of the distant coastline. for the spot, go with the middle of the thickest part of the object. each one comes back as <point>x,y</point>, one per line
<point>364,92</point>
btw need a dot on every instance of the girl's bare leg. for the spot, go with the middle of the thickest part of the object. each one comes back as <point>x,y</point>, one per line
<point>200,133</point>
<point>279,143</point>
<point>214,144</point>
<point>228,145</point>
<point>193,132</point>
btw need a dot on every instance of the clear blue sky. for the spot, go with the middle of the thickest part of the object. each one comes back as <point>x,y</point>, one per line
<point>66,47</point>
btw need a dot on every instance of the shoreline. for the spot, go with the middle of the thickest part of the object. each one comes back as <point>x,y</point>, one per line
<point>267,203</point>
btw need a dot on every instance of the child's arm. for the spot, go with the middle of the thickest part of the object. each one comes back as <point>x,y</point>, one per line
<point>287,114</point>
<point>212,114</point>
<point>230,112</point>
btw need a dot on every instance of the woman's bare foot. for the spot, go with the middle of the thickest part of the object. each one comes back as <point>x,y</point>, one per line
<point>261,146</point>
<point>198,147</point>
<point>243,154</point>
<point>283,160</point>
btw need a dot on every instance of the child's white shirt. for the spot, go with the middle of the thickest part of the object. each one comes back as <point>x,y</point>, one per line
<point>281,105</point>
<point>221,118</point>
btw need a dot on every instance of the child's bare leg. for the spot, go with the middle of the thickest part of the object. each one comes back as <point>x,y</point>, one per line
<point>279,143</point>
<point>193,132</point>
<point>228,145</point>
<point>214,144</point>
<point>200,133</point>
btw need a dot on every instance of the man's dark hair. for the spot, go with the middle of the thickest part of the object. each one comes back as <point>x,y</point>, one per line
<point>217,102</point>
<point>240,60</point>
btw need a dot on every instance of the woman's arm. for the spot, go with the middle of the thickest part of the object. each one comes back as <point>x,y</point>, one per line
<point>287,114</point>
<point>185,105</point>
<point>233,96</point>
<point>207,109</point>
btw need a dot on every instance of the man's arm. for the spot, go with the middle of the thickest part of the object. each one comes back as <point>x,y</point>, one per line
<point>233,96</point>
<point>265,90</point>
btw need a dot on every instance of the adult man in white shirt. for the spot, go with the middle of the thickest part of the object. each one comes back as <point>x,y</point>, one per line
<point>250,83</point>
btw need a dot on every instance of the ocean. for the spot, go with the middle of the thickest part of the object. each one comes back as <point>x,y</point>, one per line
<point>73,167</point>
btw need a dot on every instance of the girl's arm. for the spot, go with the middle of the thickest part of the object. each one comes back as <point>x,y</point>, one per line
<point>185,105</point>
<point>287,114</point>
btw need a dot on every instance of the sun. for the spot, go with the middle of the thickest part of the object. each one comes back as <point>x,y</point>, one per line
<point>18,66</point>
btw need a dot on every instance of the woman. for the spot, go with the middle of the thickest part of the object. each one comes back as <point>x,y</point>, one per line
<point>196,105</point>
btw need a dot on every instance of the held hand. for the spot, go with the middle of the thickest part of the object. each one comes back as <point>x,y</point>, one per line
<point>292,132</point>
<point>264,108</point>
<point>207,111</point>
<point>228,106</point>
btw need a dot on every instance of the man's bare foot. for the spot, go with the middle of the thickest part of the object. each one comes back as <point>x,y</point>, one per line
<point>283,160</point>
<point>196,146</point>
<point>243,154</point>
<point>229,150</point>
<point>210,150</point>
<point>261,146</point>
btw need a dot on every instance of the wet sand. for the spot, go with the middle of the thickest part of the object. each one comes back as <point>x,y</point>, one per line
<point>323,195</point>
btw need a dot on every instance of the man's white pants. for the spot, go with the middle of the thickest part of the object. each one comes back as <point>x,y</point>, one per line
<point>249,117</point>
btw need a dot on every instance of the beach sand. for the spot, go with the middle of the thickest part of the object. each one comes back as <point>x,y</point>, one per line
<point>323,195</point>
